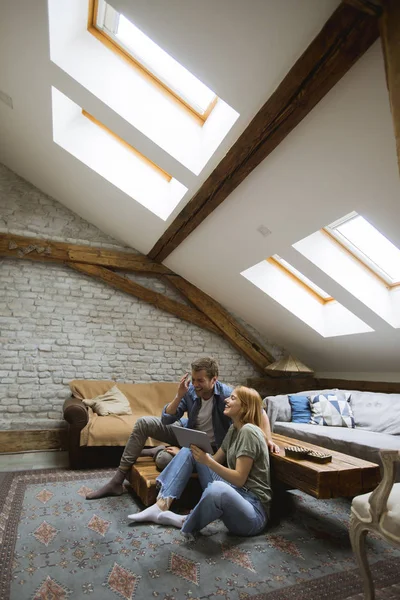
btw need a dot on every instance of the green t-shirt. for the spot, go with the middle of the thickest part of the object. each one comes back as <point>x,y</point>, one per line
<point>250,441</point>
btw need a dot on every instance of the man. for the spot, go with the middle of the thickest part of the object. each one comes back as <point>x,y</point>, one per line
<point>204,402</point>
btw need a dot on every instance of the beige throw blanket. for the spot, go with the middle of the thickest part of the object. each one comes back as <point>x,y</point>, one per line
<point>113,402</point>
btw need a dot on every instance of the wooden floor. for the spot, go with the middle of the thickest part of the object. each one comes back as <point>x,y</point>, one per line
<point>345,476</point>
<point>27,461</point>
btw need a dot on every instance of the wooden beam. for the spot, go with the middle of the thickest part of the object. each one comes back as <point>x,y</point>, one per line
<point>343,39</point>
<point>207,314</point>
<point>291,385</point>
<point>162,302</point>
<point>390,36</point>
<point>231,330</point>
<point>24,441</point>
<point>16,246</point>
<point>370,7</point>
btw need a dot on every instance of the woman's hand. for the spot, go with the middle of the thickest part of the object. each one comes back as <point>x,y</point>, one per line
<point>172,450</point>
<point>199,455</point>
<point>272,447</point>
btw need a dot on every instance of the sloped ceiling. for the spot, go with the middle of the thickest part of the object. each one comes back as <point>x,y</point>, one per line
<point>341,158</point>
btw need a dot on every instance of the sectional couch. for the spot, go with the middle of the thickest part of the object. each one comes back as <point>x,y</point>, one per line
<point>376,416</point>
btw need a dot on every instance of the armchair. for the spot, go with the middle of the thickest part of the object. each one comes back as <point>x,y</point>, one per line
<point>378,511</point>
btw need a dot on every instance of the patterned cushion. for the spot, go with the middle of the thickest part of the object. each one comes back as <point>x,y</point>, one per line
<point>331,409</point>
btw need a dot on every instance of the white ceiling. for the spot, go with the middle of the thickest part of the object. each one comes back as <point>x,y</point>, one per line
<point>342,157</point>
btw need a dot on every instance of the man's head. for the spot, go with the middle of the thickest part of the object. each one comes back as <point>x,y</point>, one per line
<point>204,376</point>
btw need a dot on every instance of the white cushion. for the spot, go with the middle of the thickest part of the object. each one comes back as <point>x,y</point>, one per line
<point>361,508</point>
<point>376,411</point>
<point>390,520</point>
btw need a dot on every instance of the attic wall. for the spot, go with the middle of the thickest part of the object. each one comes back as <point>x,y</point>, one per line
<point>57,325</point>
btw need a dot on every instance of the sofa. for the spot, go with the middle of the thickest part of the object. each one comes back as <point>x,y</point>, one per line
<point>376,419</point>
<point>98,441</point>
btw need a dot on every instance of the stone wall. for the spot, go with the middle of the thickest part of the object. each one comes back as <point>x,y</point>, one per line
<point>57,325</point>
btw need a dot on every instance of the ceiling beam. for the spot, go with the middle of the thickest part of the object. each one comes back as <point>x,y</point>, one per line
<point>17,246</point>
<point>203,312</point>
<point>230,328</point>
<point>123,284</point>
<point>390,37</point>
<point>370,7</point>
<point>345,37</point>
<point>290,385</point>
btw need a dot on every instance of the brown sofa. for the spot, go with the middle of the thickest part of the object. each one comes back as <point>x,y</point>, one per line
<point>95,441</point>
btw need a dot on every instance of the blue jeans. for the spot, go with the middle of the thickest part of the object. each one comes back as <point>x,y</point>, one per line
<point>239,509</point>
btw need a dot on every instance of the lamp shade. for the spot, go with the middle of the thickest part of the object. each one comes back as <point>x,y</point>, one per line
<point>288,365</point>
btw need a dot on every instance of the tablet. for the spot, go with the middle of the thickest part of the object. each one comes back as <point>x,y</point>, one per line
<point>186,437</point>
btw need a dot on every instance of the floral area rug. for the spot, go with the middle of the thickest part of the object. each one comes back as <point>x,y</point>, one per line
<point>56,545</point>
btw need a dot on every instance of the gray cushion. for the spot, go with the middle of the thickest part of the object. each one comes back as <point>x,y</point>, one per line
<point>355,442</point>
<point>376,411</point>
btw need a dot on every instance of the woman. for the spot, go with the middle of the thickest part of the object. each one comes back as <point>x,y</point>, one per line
<point>239,493</point>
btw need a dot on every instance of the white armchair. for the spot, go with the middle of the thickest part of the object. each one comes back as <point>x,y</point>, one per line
<point>378,511</point>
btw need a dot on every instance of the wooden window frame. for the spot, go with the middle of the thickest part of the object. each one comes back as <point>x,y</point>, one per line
<point>359,260</point>
<point>112,45</point>
<point>138,154</point>
<point>272,261</point>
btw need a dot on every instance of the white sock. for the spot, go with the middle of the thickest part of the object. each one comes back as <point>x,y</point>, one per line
<point>149,514</point>
<point>168,517</point>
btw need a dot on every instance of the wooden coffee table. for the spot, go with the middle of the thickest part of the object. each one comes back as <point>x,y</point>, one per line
<point>344,476</point>
<point>142,478</point>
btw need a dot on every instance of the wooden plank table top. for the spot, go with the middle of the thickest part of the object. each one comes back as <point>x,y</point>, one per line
<point>345,476</point>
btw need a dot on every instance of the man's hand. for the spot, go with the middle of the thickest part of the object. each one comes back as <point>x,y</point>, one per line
<point>183,386</point>
<point>272,447</point>
<point>199,455</point>
<point>172,450</point>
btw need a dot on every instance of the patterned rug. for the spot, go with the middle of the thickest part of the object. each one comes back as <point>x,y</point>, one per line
<point>55,545</point>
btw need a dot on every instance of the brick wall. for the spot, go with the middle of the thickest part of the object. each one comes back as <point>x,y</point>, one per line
<point>57,325</point>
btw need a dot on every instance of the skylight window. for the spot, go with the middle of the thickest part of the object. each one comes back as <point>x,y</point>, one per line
<point>358,236</point>
<point>301,279</point>
<point>113,158</point>
<point>129,39</point>
<point>143,159</point>
<point>301,297</point>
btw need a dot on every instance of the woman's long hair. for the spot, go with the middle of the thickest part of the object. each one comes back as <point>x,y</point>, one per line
<point>251,403</point>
